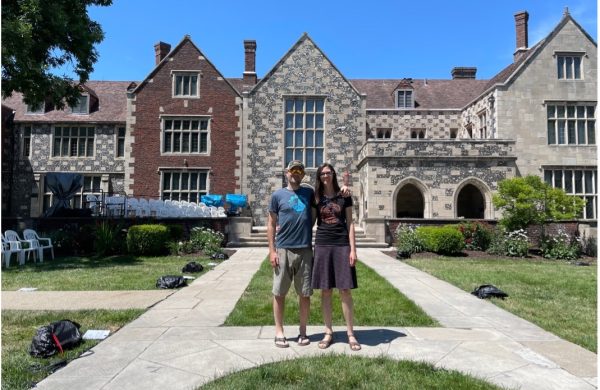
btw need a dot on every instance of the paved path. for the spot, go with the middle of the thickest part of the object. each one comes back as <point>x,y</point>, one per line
<point>178,343</point>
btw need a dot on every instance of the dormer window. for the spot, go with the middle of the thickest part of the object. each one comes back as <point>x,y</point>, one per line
<point>404,98</point>
<point>36,109</point>
<point>185,84</point>
<point>82,106</point>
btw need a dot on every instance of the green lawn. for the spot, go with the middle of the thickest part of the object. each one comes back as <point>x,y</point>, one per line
<point>376,303</point>
<point>96,273</point>
<point>559,297</point>
<point>348,372</point>
<point>19,369</point>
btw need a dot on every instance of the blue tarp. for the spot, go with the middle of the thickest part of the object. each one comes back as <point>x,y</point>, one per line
<point>236,200</point>
<point>212,200</point>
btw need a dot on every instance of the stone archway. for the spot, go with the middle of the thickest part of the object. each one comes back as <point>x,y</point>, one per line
<point>470,203</point>
<point>410,201</point>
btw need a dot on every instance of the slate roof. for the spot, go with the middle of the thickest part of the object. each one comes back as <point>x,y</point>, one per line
<point>428,94</point>
<point>112,107</point>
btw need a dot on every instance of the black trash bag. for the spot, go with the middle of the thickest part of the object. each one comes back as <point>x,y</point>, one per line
<point>56,337</point>
<point>489,291</point>
<point>170,281</point>
<point>403,255</point>
<point>219,256</point>
<point>192,266</point>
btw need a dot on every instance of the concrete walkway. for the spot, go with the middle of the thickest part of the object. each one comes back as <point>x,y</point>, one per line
<point>178,343</point>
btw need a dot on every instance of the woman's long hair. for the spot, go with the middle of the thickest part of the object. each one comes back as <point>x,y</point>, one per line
<point>319,187</point>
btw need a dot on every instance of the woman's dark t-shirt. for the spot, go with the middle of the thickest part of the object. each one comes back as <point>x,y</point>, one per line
<point>331,221</point>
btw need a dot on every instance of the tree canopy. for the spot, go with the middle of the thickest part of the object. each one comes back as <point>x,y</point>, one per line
<point>529,200</point>
<point>39,36</point>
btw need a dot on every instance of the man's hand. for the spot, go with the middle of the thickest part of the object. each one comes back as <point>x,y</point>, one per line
<point>274,259</point>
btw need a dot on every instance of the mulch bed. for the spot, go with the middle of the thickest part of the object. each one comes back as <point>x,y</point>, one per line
<point>483,255</point>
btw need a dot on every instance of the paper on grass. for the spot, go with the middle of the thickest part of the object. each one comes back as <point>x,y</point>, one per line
<point>28,289</point>
<point>96,334</point>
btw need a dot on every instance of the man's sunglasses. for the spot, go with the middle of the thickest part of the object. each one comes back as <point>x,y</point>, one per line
<point>296,171</point>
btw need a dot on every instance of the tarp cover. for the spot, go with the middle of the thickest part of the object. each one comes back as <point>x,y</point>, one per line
<point>64,186</point>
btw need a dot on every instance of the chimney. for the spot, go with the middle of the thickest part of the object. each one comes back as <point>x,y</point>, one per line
<point>161,50</point>
<point>462,72</point>
<point>250,62</point>
<point>521,19</point>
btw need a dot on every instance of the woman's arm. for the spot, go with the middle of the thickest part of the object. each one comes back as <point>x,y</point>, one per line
<point>351,236</point>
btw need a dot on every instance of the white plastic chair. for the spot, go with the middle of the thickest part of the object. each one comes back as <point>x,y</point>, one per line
<point>92,203</point>
<point>8,249</point>
<point>43,242</point>
<point>26,247</point>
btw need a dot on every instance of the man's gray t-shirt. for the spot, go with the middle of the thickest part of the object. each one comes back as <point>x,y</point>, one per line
<point>294,217</point>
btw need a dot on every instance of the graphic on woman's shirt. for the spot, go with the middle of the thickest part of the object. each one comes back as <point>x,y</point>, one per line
<point>330,213</point>
<point>296,203</point>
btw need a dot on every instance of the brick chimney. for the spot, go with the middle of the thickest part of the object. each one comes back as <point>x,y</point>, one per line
<point>521,19</point>
<point>161,50</point>
<point>461,72</point>
<point>250,62</point>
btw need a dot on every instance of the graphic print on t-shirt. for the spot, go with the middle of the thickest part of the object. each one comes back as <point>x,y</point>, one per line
<point>329,213</point>
<point>296,203</point>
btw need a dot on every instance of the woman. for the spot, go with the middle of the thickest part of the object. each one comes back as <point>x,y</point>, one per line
<point>335,252</point>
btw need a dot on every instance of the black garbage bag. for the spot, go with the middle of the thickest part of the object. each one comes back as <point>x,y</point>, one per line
<point>489,291</point>
<point>56,337</point>
<point>192,266</point>
<point>219,256</point>
<point>170,281</point>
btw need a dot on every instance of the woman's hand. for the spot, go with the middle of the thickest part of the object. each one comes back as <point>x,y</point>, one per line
<point>352,258</point>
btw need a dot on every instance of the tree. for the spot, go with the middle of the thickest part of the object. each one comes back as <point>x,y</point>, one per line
<point>528,200</point>
<point>39,36</point>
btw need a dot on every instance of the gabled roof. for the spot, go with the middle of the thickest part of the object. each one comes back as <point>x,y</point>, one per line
<point>171,54</point>
<point>507,75</point>
<point>112,98</point>
<point>303,38</point>
<point>428,94</point>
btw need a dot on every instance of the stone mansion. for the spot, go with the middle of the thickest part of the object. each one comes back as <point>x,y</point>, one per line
<point>414,148</point>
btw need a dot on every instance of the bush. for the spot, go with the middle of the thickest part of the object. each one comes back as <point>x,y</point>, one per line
<point>72,239</point>
<point>589,246</point>
<point>560,247</point>
<point>514,244</point>
<point>147,240</point>
<point>109,239</point>
<point>407,241</point>
<point>175,232</point>
<point>207,240</point>
<point>442,240</point>
<point>477,235</point>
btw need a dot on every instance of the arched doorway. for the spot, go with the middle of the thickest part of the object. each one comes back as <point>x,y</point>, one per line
<point>409,202</point>
<point>470,203</point>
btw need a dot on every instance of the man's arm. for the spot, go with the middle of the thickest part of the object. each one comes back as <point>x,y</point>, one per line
<point>271,228</point>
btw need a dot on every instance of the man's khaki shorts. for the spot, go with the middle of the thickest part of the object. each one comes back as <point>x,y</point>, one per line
<point>294,264</point>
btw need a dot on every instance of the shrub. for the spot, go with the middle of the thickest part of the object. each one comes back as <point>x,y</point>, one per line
<point>514,244</point>
<point>443,240</point>
<point>477,235</point>
<point>175,232</point>
<point>147,240</point>
<point>207,240</point>
<point>105,239</point>
<point>589,246</point>
<point>407,241</point>
<point>72,239</point>
<point>560,247</point>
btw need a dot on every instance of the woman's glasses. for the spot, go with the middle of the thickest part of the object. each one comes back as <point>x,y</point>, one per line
<point>326,173</point>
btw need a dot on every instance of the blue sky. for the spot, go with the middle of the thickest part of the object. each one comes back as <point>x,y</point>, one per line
<point>366,39</point>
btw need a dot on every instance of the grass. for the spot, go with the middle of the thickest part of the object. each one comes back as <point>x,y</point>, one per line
<point>19,369</point>
<point>348,372</point>
<point>559,297</point>
<point>96,273</point>
<point>376,303</point>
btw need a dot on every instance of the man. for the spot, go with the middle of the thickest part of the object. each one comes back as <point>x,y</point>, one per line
<point>289,230</point>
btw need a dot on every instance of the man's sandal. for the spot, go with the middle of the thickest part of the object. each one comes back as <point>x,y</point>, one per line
<point>281,342</point>
<point>327,341</point>
<point>303,340</point>
<point>354,345</point>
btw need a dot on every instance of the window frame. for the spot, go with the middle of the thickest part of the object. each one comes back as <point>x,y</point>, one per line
<point>182,119</point>
<point>78,200</point>
<point>120,139</point>
<point>180,172</point>
<point>568,121</point>
<point>185,73</point>
<point>404,99</point>
<point>311,151</point>
<point>26,142</point>
<point>568,64</point>
<point>89,143</point>
<point>79,106</point>
<point>482,117</point>
<point>551,177</point>
<point>41,109</point>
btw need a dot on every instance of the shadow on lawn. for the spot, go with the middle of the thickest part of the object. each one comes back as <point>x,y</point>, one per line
<point>78,263</point>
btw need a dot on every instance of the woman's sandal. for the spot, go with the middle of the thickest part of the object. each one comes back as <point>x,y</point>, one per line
<point>354,345</point>
<point>281,342</point>
<point>303,340</point>
<point>327,341</point>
